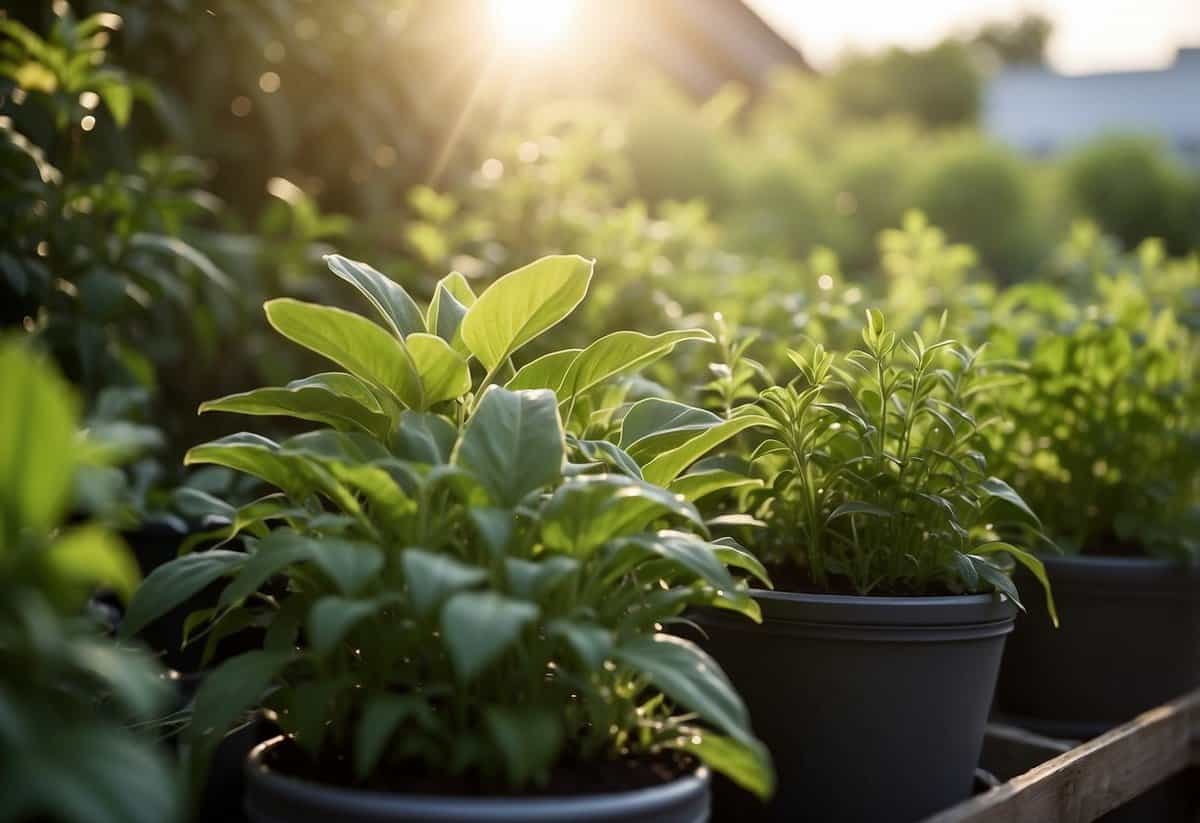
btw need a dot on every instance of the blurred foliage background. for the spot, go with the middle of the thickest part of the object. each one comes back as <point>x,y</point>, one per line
<point>168,164</point>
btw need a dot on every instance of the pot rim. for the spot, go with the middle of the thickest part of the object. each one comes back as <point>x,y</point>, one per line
<point>886,611</point>
<point>372,801</point>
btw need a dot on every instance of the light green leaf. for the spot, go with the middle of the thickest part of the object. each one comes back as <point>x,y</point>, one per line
<point>733,555</point>
<point>1031,562</point>
<point>37,430</point>
<point>688,676</point>
<point>394,305</point>
<point>668,422</point>
<point>699,484</point>
<point>522,304</point>
<point>91,555</point>
<point>256,456</point>
<point>667,466</point>
<point>305,400</point>
<point>745,762</point>
<point>513,443</point>
<point>443,371</point>
<point>477,627</point>
<point>353,342</point>
<point>1000,492</point>
<point>445,316</point>
<point>434,577</point>
<point>620,353</point>
<point>172,583</point>
<point>546,372</point>
<point>853,507</point>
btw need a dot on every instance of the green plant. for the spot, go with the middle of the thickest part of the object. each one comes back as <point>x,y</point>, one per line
<point>875,476</point>
<point>1105,424</point>
<point>464,589</point>
<point>67,693</point>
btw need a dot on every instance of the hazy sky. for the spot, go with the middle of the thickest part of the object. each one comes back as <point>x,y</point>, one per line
<point>1090,35</point>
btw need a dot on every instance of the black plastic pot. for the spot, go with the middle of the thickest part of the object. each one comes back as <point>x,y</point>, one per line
<point>1129,641</point>
<point>272,797</point>
<point>873,707</point>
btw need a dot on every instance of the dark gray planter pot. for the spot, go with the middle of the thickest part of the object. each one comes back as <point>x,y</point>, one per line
<point>873,707</point>
<point>1129,641</point>
<point>272,797</point>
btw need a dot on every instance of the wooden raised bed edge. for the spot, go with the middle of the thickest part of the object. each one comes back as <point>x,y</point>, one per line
<point>1095,777</point>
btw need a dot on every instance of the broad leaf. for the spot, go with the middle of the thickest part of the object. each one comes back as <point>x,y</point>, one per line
<point>477,627</point>
<point>422,437</point>
<point>666,423</point>
<point>444,317</point>
<point>546,372</point>
<point>522,304</point>
<point>386,296</point>
<point>434,577</point>
<point>688,676</point>
<point>513,443</point>
<point>697,484</point>
<point>305,400</point>
<point>271,556</point>
<point>351,565</point>
<point>443,371</point>
<point>667,466</point>
<point>381,717</point>
<point>529,739</point>
<point>173,583</point>
<point>353,342</point>
<point>592,643</point>
<point>620,353</point>
<point>332,617</point>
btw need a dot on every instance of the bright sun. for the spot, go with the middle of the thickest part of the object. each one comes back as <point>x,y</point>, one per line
<point>531,24</point>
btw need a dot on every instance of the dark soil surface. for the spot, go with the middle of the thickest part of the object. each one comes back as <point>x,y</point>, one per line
<point>605,776</point>
<point>788,577</point>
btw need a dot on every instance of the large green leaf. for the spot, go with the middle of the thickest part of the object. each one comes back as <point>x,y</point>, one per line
<point>422,437</point>
<point>688,552</point>
<point>667,466</point>
<point>546,372</point>
<point>655,425</point>
<point>393,303</point>
<point>37,430</point>
<point>353,342</point>
<point>434,577</point>
<point>588,511</point>
<point>350,564</point>
<point>697,484</point>
<point>306,400</point>
<point>522,304</point>
<point>444,372</point>
<point>382,714</point>
<point>172,583</point>
<point>688,676</point>
<point>513,443</point>
<point>259,457</point>
<point>1003,496</point>
<point>1031,562</point>
<point>279,550</point>
<point>445,316</point>
<point>477,627</point>
<point>592,643</point>
<point>620,353</point>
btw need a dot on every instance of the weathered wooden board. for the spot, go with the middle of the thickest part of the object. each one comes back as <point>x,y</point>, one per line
<point>1097,776</point>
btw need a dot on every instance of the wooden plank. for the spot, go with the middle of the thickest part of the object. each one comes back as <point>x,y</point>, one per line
<point>1097,776</point>
<point>1010,750</point>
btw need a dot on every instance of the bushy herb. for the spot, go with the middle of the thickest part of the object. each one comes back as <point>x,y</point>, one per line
<point>875,476</point>
<point>459,587</point>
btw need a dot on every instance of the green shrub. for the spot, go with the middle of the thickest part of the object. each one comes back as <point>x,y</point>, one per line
<point>1134,188</point>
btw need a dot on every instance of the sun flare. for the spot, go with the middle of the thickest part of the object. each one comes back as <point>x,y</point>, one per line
<point>530,25</point>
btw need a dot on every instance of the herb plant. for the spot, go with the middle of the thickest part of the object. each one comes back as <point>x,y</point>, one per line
<point>1105,429</point>
<point>68,695</point>
<point>452,586</point>
<point>876,478</point>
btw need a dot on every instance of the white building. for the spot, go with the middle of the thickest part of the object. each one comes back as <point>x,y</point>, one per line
<point>1042,112</point>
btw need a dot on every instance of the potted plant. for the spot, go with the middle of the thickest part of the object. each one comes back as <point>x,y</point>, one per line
<point>876,660</point>
<point>467,608</point>
<point>1104,435</point>
<point>68,695</point>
